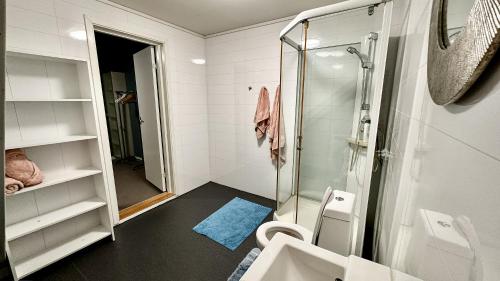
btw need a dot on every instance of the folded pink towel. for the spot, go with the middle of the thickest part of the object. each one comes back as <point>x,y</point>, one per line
<point>12,185</point>
<point>19,167</point>
<point>261,118</point>
<point>277,129</point>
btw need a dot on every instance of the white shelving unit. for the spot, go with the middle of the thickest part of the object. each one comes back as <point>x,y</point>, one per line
<point>51,115</point>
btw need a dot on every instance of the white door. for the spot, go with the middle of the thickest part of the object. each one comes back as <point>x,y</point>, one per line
<point>147,98</point>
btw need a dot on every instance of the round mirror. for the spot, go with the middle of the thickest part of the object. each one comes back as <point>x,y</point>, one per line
<point>457,12</point>
<point>464,35</point>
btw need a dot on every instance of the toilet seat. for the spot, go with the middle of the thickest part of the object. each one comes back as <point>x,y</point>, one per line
<point>266,231</point>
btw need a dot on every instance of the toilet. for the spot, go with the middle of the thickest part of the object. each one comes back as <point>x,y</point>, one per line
<point>333,225</point>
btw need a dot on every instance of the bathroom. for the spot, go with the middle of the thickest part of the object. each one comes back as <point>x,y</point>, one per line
<point>366,106</point>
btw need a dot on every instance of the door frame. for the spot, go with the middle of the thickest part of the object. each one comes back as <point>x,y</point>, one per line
<point>160,47</point>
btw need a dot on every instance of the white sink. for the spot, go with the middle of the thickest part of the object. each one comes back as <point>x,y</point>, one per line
<point>288,259</point>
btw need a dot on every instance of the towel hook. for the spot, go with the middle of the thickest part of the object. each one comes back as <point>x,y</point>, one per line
<point>249,88</point>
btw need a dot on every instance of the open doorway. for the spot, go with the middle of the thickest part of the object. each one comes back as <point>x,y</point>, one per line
<point>130,95</point>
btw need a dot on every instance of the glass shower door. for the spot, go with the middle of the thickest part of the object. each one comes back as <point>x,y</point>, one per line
<point>330,83</point>
<point>286,179</point>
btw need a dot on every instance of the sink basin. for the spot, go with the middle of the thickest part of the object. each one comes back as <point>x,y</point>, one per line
<point>287,258</point>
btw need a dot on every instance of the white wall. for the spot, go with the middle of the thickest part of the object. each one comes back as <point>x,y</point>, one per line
<point>445,159</point>
<point>234,62</point>
<point>44,26</point>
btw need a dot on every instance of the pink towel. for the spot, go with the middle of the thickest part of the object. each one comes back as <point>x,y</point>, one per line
<point>261,118</point>
<point>12,186</point>
<point>19,167</point>
<point>277,130</point>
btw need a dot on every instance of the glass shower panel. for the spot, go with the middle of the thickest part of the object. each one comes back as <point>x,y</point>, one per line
<point>330,106</point>
<point>329,98</point>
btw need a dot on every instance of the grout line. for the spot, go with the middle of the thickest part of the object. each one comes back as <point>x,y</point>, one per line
<point>79,271</point>
<point>449,135</point>
<point>463,142</point>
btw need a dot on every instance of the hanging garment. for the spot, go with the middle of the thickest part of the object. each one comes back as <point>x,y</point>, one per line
<point>261,118</point>
<point>19,167</point>
<point>12,185</point>
<point>277,130</point>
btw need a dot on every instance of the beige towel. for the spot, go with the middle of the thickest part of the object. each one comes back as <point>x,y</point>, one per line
<point>19,167</point>
<point>277,130</point>
<point>12,185</point>
<point>261,118</point>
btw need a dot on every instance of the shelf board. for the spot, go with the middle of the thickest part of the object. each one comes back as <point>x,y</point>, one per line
<point>57,177</point>
<point>40,222</point>
<point>38,142</point>
<point>46,100</point>
<point>361,143</point>
<point>23,53</point>
<point>51,255</point>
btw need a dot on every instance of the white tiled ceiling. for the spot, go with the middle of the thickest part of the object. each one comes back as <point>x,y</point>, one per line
<point>213,16</point>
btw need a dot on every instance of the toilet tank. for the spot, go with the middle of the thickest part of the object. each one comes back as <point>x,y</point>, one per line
<point>335,233</point>
<point>438,251</point>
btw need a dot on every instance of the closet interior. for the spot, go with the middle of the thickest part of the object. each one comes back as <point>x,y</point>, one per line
<point>124,119</point>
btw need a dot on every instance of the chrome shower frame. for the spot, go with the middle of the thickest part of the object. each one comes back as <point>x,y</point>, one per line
<point>374,69</point>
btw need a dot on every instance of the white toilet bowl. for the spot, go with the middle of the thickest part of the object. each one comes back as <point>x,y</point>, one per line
<point>332,230</point>
<point>267,230</point>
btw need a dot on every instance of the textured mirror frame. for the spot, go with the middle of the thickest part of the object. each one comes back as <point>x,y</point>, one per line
<point>453,68</point>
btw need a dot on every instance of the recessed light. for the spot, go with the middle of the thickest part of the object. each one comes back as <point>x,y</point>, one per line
<point>198,61</point>
<point>79,35</point>
<point>337,66</point>
<point>311,43</point>
<point>330,54</point>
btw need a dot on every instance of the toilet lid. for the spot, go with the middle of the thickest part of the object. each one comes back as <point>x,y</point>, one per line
<point>319,219</point>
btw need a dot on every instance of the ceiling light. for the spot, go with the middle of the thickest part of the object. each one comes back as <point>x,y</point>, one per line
<point>311,43</point>
<point>330,54</point>
<point>198,61</point>
<point>79,35</point>
<point>337,54</point>
<point>323,54</point>
<point>337,66</point>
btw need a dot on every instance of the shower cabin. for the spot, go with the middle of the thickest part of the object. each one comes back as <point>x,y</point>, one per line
<point>332,72</point>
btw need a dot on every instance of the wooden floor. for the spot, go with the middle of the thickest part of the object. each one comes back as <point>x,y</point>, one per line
<point>144,204</point>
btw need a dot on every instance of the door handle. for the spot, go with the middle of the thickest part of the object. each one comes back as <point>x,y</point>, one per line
<point>140,120</point>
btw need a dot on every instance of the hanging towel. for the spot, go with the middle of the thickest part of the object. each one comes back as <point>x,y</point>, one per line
<point>12,185</point>
<point>19,167</point>
<point>277,130</point>
<point>261,118</point>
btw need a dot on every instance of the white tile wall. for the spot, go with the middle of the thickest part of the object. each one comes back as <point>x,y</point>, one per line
<point>45,25</point>
<point>234,62</point>
<point>446,159</point>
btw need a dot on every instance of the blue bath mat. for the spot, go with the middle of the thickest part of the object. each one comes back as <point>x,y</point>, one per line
<point>233,222</point>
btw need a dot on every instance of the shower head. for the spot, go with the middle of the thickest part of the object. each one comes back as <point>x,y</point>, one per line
<point>364,63</point>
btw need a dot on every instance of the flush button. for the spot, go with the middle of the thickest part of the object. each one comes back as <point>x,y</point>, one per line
<point>338,198</point>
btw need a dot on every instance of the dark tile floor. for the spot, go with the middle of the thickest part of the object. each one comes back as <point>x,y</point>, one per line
<point>160,244</point>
